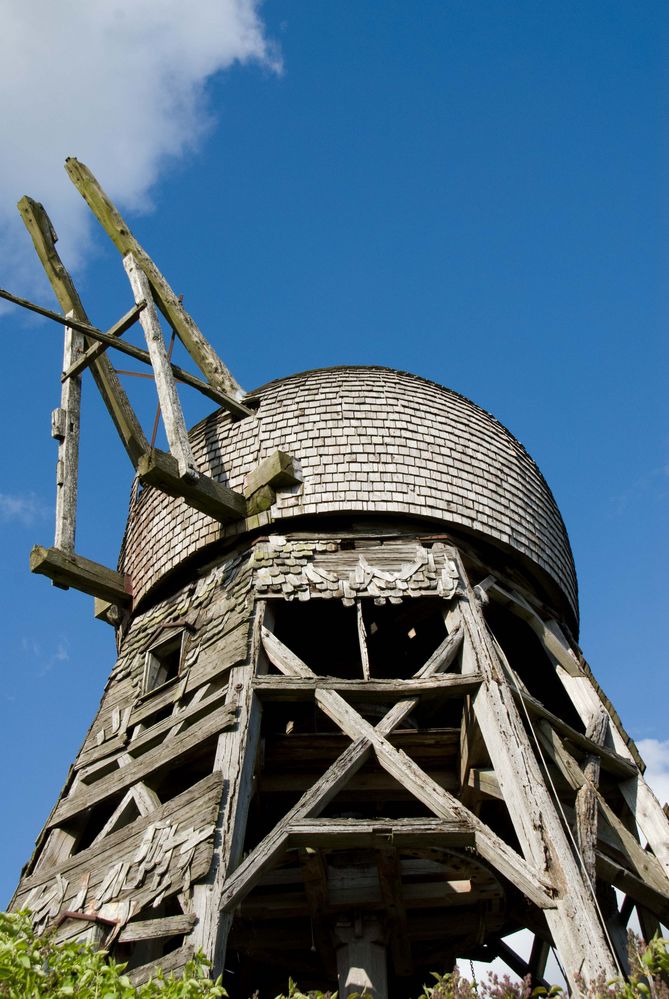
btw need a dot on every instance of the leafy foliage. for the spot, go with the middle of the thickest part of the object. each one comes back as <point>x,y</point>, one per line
<point>33,967</point>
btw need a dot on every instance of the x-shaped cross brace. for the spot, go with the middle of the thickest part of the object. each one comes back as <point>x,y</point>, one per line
<point>366,738</point>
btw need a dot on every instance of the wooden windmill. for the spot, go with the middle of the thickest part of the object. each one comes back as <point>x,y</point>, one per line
<point>349,734</point>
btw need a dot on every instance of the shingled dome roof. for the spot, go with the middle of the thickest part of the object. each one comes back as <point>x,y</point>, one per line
<point>367,440</point>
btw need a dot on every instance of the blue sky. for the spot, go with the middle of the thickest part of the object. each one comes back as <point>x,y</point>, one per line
<point>474,191</point>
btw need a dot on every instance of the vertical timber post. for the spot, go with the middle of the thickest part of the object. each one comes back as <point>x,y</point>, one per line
<point>574,922</point>
<point>65,427</point>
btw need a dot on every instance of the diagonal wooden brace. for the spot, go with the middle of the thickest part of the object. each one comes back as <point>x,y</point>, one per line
<point>44,238</point>
<point>313,801</point>
<point>443,804</point>
<point>199,348</point>
<point>173,418</point>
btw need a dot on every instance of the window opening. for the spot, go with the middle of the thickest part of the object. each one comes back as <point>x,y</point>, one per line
<point>322,633</point>
<point>402,637</point>
<point>163,662</point>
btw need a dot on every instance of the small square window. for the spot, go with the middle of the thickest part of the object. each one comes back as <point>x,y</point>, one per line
<point>163,662</point>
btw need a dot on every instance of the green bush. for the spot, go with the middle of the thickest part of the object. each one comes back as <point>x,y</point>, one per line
<point>36,967</point>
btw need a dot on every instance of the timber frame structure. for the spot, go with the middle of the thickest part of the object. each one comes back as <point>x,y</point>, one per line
<point>349,735</point>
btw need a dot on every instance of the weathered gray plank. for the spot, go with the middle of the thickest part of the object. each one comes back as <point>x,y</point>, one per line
<point>67,569</point>
<point>84,797</point>
<point>44,239</point>
<point>198,347</point>
<point>152,929</point>
<point>273,688</point>
<point>156,468</point>
<point>66,430</point>
<point>170,406</point>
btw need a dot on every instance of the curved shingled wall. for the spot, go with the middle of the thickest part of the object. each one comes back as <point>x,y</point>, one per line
<point>367,440</point>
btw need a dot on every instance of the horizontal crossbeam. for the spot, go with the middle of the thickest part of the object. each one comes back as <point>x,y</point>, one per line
<point>67,570</point>
<point>162,471</point>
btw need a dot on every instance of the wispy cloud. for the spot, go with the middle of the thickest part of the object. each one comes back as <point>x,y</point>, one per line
<point>26,509</point>
<point>122,85</point>
<point>655,752</point>
<point>46,659</point>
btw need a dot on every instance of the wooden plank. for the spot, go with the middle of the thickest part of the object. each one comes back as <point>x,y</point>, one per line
<point>67,433</point>
<point>362,641</point>
<point>422,786</point>
<point>485,782</point>
<point>44,239</point>
<point>120,780</point>
<point>277,470</point>
<point>610,761</point>
<point>284,688</point>
<point>375,833</point>
<point>152,929</point>
<point>195,343</point>
<point>156,468</point>
<point>195,803</point>
<point>636,887</point>
<point>120,327</point>
<point>171,963</point>
<point>368,784</point>
<point>235,759</point>
<point>170,406</point>
<point>649,815</point>
<point>573,921</point>
<point>586,800</point>
<point>68,569</point>
<point>155,735</point>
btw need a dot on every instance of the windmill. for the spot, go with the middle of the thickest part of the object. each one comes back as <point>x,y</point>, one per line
<point>349,735</point>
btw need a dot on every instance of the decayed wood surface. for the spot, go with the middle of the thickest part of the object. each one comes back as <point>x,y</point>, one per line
<point>195,343</point>
<point>67,569</point>
<point>170,406</point>
<point>44,238</point>
<point>125,323</point>
<point>66,431</point>
<point>156,468</point>
<point>123,777</point>
<point>416,780</point>
<point>574,922</point>
<point>586,800</point>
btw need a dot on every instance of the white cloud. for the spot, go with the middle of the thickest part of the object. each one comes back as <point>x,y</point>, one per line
<point>120,85</point>
<point>46,660</point>
<point>655,753</point>
<point>24,509</point>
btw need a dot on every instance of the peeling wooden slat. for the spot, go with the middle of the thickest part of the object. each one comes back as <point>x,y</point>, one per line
<point>84,797</point>
<point>152,929</point>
